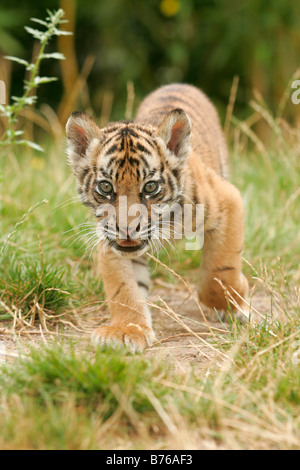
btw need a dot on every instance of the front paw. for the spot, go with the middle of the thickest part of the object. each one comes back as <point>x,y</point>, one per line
<point>132,336</point>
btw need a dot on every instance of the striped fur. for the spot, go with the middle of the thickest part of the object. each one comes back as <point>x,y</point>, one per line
<point>176,143</point>
<point>207,139</point>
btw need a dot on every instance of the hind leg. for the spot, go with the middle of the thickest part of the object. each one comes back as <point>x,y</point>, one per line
<point>222,285</point>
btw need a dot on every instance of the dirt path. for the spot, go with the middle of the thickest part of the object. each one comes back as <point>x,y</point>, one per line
<point>185,338</point>
<point>183,335</point>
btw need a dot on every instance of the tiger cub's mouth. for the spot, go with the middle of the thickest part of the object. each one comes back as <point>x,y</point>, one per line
<point>129,245</point>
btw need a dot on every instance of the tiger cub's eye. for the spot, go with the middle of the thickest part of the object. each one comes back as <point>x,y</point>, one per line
<point>151,187</point>
<point>105,187</point>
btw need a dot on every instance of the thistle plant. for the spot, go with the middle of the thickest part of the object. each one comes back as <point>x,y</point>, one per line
<point>12,135</point>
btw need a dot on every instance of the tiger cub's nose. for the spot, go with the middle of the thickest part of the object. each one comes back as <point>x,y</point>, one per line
<point>133,232</point>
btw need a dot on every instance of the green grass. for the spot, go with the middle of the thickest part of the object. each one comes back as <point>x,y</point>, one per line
<point>40,241</point>
<point>63,399</point>
<point>68,396</point>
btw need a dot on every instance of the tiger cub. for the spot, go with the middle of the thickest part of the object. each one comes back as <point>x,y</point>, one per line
<point>172,154</point>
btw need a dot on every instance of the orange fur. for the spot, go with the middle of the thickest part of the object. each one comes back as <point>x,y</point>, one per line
<point>177,137</point>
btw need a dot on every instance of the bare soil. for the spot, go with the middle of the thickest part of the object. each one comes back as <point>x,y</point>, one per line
<point>183,334</point>
<point>185,340</point>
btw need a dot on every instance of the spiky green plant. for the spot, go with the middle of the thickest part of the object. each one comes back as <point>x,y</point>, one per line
<point>12,135</point>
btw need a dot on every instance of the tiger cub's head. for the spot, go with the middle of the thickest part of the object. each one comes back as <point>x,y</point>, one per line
<point>128,174</point>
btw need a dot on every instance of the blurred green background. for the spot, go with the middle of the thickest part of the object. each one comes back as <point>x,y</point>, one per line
<point>153,42</point>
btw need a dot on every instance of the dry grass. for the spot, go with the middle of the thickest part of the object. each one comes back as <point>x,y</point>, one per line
<point>204,384</point>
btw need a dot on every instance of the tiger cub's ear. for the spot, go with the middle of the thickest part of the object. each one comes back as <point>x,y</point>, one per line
<point>175,131</point>
<point>81,131</point>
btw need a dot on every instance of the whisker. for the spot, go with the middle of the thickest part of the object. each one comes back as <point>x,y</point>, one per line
<point>68,202</point>
<point>189,199</point>
<point>86,224</point>
<point>81,234</point>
